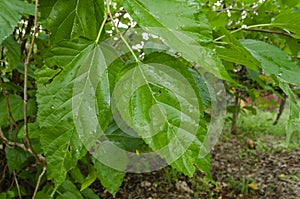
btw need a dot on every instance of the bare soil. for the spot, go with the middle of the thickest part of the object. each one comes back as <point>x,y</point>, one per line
<point>268,171</point>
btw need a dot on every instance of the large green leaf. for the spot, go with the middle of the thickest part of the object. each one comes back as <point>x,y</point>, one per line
<point>274,61</point>
<point>73,18</point>
<point>289,21</point>
<point>183,28</point>
<point>162,104</point>
<point>64,112</point>
<point>11,12</point>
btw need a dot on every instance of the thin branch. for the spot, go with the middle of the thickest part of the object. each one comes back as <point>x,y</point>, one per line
<point>39,158</point>
<point>223,36</point>
<point>244,27</point>
<point>234,9</point>
<point>26,81</point>
<point>269,31</point>
<point>12,144</point>
<point>17,184</point>
<point>281,108</point>
<point>39,181</point>
<point>119,33</point>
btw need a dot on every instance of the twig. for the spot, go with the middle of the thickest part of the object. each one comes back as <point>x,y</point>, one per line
<point>281,108</point>
<point>12,144</point>
<point>39,181</point>
<point>252,28</point>
<point>242,28</point>
<point>17,184</point>
<point>269,31</point>
<point>39,158</point>
<point>223,36</point>
<point>119,33</point>
<point>234,9</point>
<point>28,142</point>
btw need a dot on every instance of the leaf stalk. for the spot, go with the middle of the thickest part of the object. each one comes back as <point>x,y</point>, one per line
<point>101,29</point>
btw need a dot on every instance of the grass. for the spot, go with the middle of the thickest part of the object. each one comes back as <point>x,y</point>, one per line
<point>260,124</point>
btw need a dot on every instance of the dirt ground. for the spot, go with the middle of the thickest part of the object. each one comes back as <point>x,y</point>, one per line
<point>268,171</point>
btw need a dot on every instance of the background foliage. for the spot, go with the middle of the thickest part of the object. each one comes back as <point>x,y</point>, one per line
<point>252,45</point>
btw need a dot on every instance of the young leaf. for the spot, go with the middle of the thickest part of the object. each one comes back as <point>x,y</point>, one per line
<point>89,179</point>
<point>92,176</point>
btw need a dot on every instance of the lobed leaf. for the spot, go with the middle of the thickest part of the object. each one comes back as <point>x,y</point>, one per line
<point>162,104</point>
<point>81,64</point>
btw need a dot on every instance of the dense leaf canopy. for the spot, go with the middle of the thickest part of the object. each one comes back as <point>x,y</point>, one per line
<point>134,85</point>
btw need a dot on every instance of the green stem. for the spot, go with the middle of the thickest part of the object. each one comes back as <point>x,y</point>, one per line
<point>119,33</point>
<point>101,28</point>
<point>242,28</point>
<point>221,37</point>
<point>259,25</point>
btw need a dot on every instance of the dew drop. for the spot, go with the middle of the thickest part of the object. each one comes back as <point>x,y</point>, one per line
<point>77,151</point>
